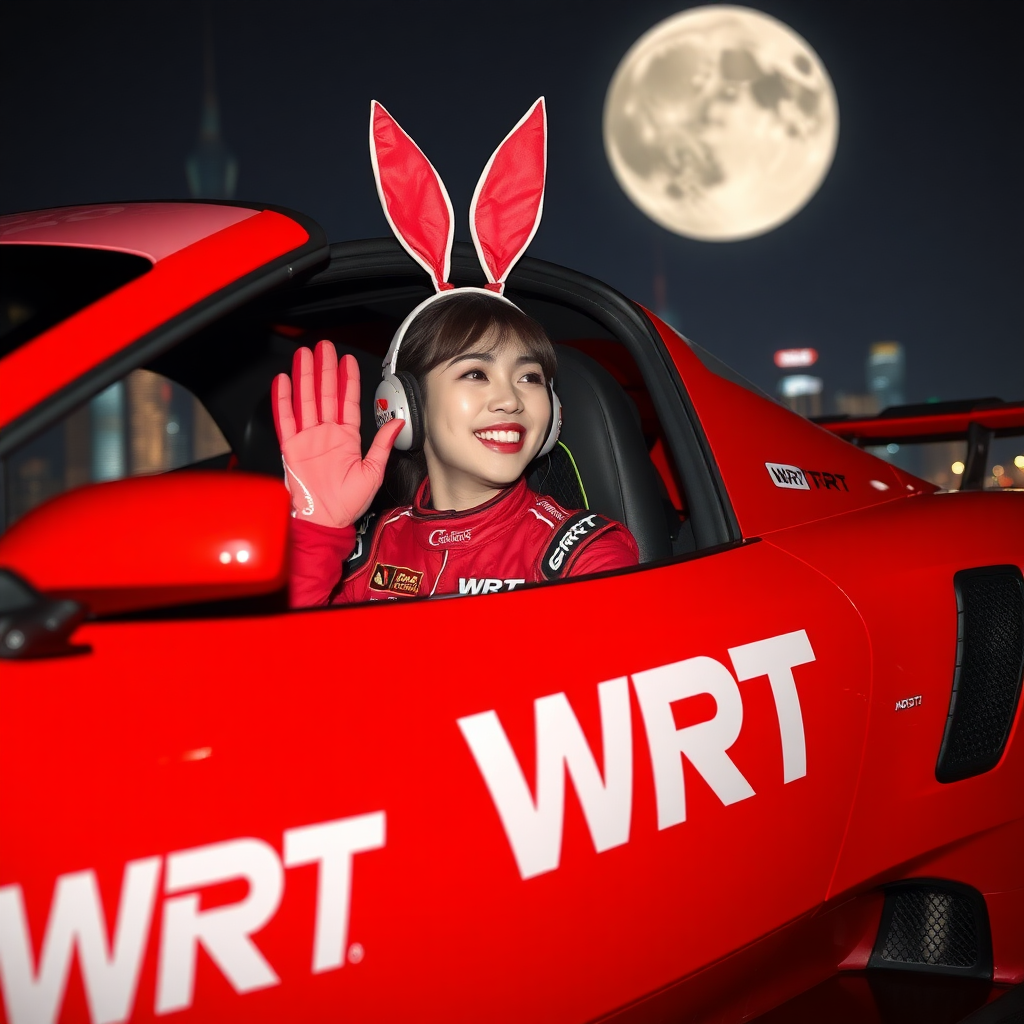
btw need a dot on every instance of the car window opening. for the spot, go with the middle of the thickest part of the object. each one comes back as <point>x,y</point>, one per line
<point>141,425</point>
<point>205,405</point>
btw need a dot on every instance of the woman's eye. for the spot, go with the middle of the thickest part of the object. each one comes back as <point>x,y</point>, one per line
<point>533,378</point>
<point>474,375</point>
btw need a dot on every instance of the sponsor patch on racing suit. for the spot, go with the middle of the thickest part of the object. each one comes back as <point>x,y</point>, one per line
<point>516,538</point>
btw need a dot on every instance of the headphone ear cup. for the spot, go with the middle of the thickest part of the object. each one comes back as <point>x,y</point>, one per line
<point>391,402</point>
<point>414,407</point>
<point>555,427</point>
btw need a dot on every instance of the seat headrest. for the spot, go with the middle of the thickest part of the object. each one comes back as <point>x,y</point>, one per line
<point>601,428</point>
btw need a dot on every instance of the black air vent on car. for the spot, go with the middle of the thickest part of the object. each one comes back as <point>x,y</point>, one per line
<point>935,926</point>
<point>989,664</point>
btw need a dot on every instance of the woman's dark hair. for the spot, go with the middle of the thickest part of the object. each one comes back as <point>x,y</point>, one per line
<point>443,330</point>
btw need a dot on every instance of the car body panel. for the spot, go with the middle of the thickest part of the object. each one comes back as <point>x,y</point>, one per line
<point>770,971</point>
<point>153,230</point>
<point>837,477</point>
<point>916,547</point>
<point>229,736</point>
<point>196,743</point>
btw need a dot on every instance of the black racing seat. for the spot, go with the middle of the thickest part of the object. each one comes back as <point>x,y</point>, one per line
<point>260,453</point>
<point>601,462</point>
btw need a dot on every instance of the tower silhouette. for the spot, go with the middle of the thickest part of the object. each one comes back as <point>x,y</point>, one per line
<point>660,290</point>
<point>211,168</point>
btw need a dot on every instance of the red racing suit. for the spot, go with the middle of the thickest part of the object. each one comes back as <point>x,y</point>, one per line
<point>515,538</point>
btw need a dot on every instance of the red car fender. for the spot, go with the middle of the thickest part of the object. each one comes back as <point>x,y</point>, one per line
<point>780,469</point>
<point>917,546</point>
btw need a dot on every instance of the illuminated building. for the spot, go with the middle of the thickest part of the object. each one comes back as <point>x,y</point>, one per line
<point>802,393</point>
<point>856,406</point>
<point>145,423</point>
<point>885,369</point>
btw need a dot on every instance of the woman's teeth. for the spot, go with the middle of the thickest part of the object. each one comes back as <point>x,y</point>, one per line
<point>502,436</point>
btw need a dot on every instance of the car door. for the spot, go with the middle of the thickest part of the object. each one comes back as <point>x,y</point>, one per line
<point>542,804</point>
<point>436,815</point>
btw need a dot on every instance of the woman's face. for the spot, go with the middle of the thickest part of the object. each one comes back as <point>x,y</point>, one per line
<point>486,416</point>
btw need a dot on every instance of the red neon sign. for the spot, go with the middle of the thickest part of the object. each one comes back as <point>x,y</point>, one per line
<point>786,358</point>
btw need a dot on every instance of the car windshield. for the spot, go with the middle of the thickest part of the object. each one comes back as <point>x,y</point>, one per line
<point>40,285</point>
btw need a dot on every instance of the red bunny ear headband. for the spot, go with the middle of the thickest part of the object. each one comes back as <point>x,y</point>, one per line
<point>504,216</point>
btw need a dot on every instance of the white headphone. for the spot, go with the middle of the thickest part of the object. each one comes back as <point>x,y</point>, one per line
<point>504,216</point>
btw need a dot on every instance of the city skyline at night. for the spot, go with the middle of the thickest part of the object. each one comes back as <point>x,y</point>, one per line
<point>911,238</point>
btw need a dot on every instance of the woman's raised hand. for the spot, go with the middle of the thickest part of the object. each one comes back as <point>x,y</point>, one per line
<point>316,413</point>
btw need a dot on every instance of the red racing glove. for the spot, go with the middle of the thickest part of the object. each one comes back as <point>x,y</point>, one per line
<point>330,482</point>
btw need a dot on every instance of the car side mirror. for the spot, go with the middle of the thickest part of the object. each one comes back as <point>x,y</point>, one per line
<point>151,542</point>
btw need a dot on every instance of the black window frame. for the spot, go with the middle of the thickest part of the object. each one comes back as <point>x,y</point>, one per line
<point>712,517</point>
<point>283,285</point>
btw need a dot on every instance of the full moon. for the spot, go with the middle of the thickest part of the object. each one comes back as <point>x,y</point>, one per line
<point>720,123</point>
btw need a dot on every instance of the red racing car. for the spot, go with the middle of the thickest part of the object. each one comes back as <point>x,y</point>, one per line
<point>776,767</point>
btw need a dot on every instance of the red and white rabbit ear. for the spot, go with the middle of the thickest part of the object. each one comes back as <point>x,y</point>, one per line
<point>509,197</point>
<point>414,198</point>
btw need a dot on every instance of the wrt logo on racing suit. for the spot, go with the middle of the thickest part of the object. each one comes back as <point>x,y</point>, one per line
<point>533,826</point>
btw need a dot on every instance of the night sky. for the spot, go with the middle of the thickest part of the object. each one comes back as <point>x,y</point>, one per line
<point>915,236</point>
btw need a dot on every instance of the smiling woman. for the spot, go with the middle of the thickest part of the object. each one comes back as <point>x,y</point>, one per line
<point>477,376</point>
<point>487,363</point>
<point>467,397</point>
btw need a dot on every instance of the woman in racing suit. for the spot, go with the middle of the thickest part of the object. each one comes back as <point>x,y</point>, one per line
<point>469,523</point>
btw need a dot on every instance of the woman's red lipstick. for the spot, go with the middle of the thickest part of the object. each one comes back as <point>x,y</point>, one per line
<point>491,437</point>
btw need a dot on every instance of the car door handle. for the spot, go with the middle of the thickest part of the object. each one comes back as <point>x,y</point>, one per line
<point>34,626</point>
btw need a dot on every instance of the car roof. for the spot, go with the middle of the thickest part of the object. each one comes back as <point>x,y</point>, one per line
<point>152,230</point>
